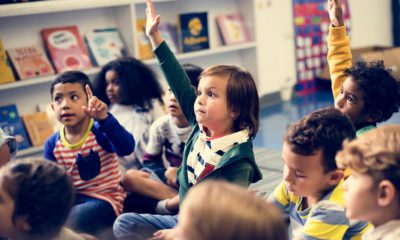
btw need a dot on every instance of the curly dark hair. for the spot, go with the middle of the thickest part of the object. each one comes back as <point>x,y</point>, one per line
<point>138,83</point>
<point>381,91</point>
<point>322,129</point>
<point>42,192</point>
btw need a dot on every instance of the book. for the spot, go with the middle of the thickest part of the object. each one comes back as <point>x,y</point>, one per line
<point>170,35</point>
<point>6,74</point>
<point>232,28</point>
<point>193,31</point>
<point>11,124</point>
<point>145,51</point>
<point>38,127</point>
<point>66,48</point>
<point>30,62</point>
<point>105,45</point>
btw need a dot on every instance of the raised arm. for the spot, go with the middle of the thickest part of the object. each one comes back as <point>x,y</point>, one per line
<point>339,54</point>
<point>153,20</point>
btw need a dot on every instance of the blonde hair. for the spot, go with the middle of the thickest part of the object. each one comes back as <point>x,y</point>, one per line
<point>219,210</point>
<point>376,153</point>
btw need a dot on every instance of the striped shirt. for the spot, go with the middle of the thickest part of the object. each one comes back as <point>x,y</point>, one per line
<point>206,153</point>
<point>92,163</point>
<point>324,220</point>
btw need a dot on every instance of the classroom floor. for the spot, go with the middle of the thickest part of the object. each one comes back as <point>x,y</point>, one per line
<point>273,122</point>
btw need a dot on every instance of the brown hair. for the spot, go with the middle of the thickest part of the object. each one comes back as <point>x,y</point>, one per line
<point>323,129</point>
<point>219,210</point>
<point>42,193</point>
<point>376,153</point>
<point>242,96</point>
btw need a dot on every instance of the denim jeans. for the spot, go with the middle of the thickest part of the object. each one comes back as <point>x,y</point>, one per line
<point>142,226</point>
<point>90,215</point>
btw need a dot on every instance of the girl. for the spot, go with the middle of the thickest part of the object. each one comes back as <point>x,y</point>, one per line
<point>131,88</point>
<point>224,117</point>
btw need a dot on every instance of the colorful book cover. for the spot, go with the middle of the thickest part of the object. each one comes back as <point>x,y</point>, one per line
<point>11,124</point>
<point>30,62</point>
<point>145,51</point>
<point>105,45</point>
<point>66,48</point>
<point>170,35</point>
<point>193,31</point>
<point>232,28</point>
<point>6,74</point>
<point>38,127</point>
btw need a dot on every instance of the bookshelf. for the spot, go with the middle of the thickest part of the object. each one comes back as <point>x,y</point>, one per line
<point>21,24</point>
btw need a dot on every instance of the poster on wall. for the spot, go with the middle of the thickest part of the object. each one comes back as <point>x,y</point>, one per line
<point>311,26</point>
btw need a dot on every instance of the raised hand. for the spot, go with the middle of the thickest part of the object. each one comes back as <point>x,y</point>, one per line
<point>152,22</point>
<point>335,12</point>
<point>96,108</point>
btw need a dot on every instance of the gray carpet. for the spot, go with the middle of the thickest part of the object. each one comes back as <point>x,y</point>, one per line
<point>271,166</point>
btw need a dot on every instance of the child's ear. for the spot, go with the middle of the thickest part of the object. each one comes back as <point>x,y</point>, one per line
<point>386,193</point>
<point>52,105</point>
<point>336,176</point>
<point>374,117</point>
<point>22,223</point>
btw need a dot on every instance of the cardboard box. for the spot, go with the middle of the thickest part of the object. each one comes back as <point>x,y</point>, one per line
<point>372,53</point>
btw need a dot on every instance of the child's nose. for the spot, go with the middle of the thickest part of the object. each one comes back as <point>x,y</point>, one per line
<point>339,102</point>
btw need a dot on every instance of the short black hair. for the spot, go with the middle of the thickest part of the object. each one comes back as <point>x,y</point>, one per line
<point>42,192</point>
<point>138,83</point>
<point>71,77</point>
<point>323,129</point>
<point>193,72</point>
<point>380,88</point>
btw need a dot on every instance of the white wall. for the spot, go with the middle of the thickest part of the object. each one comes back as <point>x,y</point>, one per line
<point>371,24</point>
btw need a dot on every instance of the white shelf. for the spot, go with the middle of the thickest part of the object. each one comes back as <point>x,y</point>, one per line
<point>208,52</point>
<point>29,151</point>
<point>30,8</point>
<point>40,80</point>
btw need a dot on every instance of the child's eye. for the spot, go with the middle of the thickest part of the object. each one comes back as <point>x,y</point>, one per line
<point>210,94</point>
<point>350,98</point>
<point>299,175</point>
<point>57,99</point>
<point>198,92</point>
<point>74,97</point>
<point>341,90</point>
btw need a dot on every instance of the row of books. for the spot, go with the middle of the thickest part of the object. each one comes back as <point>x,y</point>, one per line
<point>191,32</point>
<point>30,130</point>
<point>65,48</point>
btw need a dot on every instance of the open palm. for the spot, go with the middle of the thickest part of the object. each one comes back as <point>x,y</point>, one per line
<point>152,19</point>
<point>335,12</point>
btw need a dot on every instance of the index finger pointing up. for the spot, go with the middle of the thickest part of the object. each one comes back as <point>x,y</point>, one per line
<point>88,91</point>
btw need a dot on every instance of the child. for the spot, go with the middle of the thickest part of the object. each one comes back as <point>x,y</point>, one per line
<point>311,191</point>
<point>168,135</point>
<point>216,210</point>
<point>8,147</point>
<point>372,191</point>
<point>88,146</point>
<point>36,197</point>
<point>367,93</point>
<point>129,87</point>
<point>224,119</point>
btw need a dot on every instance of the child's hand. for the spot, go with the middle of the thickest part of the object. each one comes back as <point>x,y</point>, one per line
<point>152,22</point>
<point>96,108</point>
<point>166,234</point>
<point>170,175</point>
<point>335,12</point>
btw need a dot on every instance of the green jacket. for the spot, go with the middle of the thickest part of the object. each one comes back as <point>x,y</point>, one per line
<point>238,164</point>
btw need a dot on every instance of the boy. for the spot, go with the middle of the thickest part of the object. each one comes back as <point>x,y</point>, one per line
<point>311,193</point>
<point>163,155</point>
<point>372,191</point>
<point>88,146</point>
<point>367,93</point>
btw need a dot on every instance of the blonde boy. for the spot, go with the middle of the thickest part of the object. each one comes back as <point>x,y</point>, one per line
<point>311,193</point>
<point>372,191</point>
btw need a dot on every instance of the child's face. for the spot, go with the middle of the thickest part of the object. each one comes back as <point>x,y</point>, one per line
<point>7,228</point>
<point>4,154</point>
<point>350,102</point>
<point>67,103</point>
<point>173,106</point>
<point>359,196</point>
<point>211,107</point>
<point>304,175</point>
<point>112,86</point>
